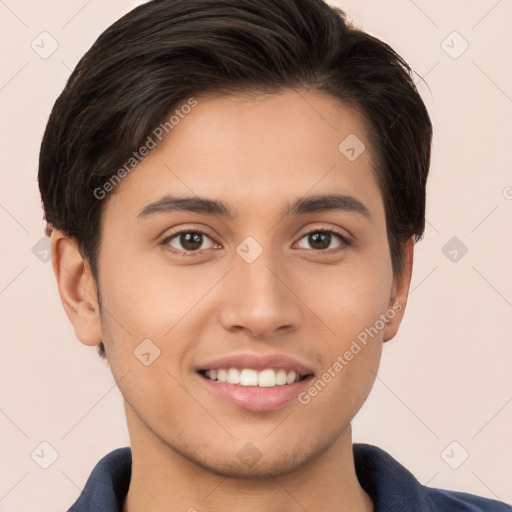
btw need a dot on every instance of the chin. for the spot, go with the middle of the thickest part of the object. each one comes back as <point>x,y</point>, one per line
<point>252,463</point>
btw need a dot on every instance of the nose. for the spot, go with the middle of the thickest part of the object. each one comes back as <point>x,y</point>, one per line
<point>259,300</point>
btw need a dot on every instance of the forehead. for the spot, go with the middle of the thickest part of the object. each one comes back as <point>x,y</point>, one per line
<point>254,151</point>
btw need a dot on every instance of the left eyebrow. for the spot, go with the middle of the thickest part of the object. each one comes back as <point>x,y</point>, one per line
<point>310,204</point>
<point>328,203</point>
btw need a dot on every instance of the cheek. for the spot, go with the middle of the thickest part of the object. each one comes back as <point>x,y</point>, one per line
<point>169,306</point>
<point>349,340</point>
<point>335,396</point>
<point>149,297</point>
<point>349,298</point>
<point>349,303</point>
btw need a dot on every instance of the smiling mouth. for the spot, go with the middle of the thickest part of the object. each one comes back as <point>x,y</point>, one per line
<point>266,378</point>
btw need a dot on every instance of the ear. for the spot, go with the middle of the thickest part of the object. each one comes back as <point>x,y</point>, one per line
<point>399,293</point>
<point>77,288</point>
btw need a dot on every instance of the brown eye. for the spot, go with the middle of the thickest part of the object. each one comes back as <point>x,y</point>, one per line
<point>320,240</point>
<point>187,241</point>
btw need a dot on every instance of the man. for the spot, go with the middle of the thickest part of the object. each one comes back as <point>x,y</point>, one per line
<point>233,191</point>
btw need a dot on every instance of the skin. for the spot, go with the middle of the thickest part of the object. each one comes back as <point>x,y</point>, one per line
<point>256,155</point>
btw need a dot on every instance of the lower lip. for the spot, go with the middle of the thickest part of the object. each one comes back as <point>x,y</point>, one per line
<point>254,398</point>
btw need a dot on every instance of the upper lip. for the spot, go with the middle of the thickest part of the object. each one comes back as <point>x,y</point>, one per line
<point>258,362</point>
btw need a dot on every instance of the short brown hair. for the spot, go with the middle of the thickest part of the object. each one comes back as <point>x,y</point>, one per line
<point>165,51</point>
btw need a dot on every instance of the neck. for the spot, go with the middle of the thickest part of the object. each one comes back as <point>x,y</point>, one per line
<point>163,479</point>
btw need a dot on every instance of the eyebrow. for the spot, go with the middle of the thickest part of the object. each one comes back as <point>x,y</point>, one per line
<point>310,204</point>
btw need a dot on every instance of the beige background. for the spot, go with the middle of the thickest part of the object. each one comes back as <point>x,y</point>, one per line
<point>445,378</point>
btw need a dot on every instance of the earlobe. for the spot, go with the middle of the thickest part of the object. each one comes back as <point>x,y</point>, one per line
<point>77,288</point>
<point>399,293</point>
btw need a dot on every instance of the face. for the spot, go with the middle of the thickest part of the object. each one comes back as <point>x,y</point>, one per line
<point>259,283</point>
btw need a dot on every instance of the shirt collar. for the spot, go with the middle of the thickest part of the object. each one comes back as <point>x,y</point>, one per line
<point>389,484</point>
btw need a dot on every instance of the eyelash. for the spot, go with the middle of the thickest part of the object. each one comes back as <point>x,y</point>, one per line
<point>343,239</point>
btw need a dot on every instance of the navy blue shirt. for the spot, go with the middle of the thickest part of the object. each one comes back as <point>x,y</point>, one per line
<point>391,487</point>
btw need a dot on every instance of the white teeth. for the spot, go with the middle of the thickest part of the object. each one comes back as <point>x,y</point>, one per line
<point>233,376</point>
<point>267,378</point>
<point>248,377</point>
<point>281,377</point>
<point>290,377</point>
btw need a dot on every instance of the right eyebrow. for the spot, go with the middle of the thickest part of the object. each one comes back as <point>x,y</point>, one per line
<point>170,203</point>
